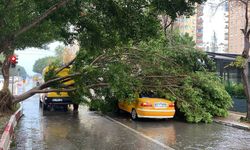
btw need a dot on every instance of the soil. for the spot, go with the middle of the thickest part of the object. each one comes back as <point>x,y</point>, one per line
<point>4,118</point>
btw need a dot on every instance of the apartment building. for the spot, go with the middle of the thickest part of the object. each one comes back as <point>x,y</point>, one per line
<point>208,26</point>
<point>187,25</point>
<point>236,22</point>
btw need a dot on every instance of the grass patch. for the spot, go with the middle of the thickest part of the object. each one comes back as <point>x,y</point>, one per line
<point>4,118</point>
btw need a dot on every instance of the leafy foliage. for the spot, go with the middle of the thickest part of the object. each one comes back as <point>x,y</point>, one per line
<point>235,89</point>
<point>50,72</point>
<point>41,63</point>
<point>203,96</point>
<point>18,71</point>
<point>239,62</point>
<point>173,68</point>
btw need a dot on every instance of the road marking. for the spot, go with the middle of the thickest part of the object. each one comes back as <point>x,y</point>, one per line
<point>139,133</point>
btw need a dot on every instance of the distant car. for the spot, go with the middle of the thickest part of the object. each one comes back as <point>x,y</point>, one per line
<point>148,107</point>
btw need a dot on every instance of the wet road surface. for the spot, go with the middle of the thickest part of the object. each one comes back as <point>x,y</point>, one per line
<point>88,130</point>
<point>180,135</point>
<point>73,131</point>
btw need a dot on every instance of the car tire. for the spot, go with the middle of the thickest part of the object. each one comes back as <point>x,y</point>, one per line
<point>65,108</point>
<point>40,104</point>
<point>44,106</point>
<point>134,114</point>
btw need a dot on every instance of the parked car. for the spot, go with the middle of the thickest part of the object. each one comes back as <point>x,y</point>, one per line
<point>51,100</point>
<point>148,107</point>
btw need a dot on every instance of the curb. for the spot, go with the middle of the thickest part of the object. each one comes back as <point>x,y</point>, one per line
<point>9,129</point>
<point>236,125</point>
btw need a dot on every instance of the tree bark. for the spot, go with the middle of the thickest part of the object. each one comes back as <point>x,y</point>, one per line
<point>245,71</point>
<point>6,73</point>
<point>245,55</point>
<point>42,17</point>
<point>5,94</point>
<point>246,87</point>
<point>35,90</point>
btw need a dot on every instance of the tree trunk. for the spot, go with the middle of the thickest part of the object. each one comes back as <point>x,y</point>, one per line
<point>246,87</point>
<point>5,95</point>
<point>245,70</point>
<point>6,73</point>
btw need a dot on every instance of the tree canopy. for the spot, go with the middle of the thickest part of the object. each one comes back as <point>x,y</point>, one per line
<point>34,23</point>
<point>41,63</point>
<point>170,67</point>
<point>19,71</point>
<point>122,51</point>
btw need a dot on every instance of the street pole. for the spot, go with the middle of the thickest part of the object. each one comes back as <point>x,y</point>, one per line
<point>12,85</point>
<point>18,71</point>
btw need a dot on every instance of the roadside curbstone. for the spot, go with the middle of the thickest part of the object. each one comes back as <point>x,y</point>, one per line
<point>9,129</point>
<point>233,124</point>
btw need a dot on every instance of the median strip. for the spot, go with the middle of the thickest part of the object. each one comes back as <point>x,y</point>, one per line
<point>9,129</point>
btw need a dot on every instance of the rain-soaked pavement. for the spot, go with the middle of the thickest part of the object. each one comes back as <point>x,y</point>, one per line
<point>180,135</point>
<point>88,130</point>
<point>73,131</point>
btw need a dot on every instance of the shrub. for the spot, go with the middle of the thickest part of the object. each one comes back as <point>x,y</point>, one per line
<point>235,89</point>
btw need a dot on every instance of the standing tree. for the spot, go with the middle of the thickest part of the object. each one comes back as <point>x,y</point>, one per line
<point>41,63</point>
<point>25,24</point>
<point>242,61</point>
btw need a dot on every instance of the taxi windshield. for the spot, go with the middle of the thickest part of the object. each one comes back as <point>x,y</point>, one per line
<point>148,94</point>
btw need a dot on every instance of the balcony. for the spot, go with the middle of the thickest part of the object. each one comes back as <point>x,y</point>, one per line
<point>199,41</point>
<point>199,21</point>
<point>199,27</point>
<point>200,13</point>
<point>199,34</point>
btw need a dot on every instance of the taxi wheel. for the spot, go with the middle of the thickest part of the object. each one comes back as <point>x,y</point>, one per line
<point>133,114</point>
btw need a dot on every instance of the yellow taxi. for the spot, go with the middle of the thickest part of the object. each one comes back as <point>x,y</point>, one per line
<point>52,99</point>
<point>148,107</point>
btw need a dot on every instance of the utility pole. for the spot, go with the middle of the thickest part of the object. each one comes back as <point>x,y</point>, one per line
<point>12,84</point>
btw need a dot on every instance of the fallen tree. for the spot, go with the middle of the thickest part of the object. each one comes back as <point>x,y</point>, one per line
<point>173,69</point>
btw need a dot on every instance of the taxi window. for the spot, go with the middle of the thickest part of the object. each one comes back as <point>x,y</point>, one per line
<point>149,94</point>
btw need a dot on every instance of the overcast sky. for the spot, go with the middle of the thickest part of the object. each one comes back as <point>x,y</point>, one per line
<point>27,57</point>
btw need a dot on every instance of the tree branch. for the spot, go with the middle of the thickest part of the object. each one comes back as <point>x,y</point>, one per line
<point>246,17</point>
<point>66,65</point>
<point>248,33</point>
<point>242,30</point>
<point>242,1</point>
<point>166,26</point>
<point>166,76</point>
<point>41,18</point>
<point>48,83</point>
<point>218,6</point>
<point>97,85</point>
<point>54,90</point>
<point>66,86</point>
<point>35,90</point>
<point>161,86</point>
<point>96,59</point>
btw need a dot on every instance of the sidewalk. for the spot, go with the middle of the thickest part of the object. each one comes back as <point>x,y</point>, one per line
<point>233,119</point>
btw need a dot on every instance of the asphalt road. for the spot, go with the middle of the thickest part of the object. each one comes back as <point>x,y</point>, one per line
<point>74,131</point>
<point>181,135</point>
<point>60,130</point>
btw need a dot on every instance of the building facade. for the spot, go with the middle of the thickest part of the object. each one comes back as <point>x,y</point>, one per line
<point>236,22</point>
<point>187,25</point>
<point>209,26</point>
